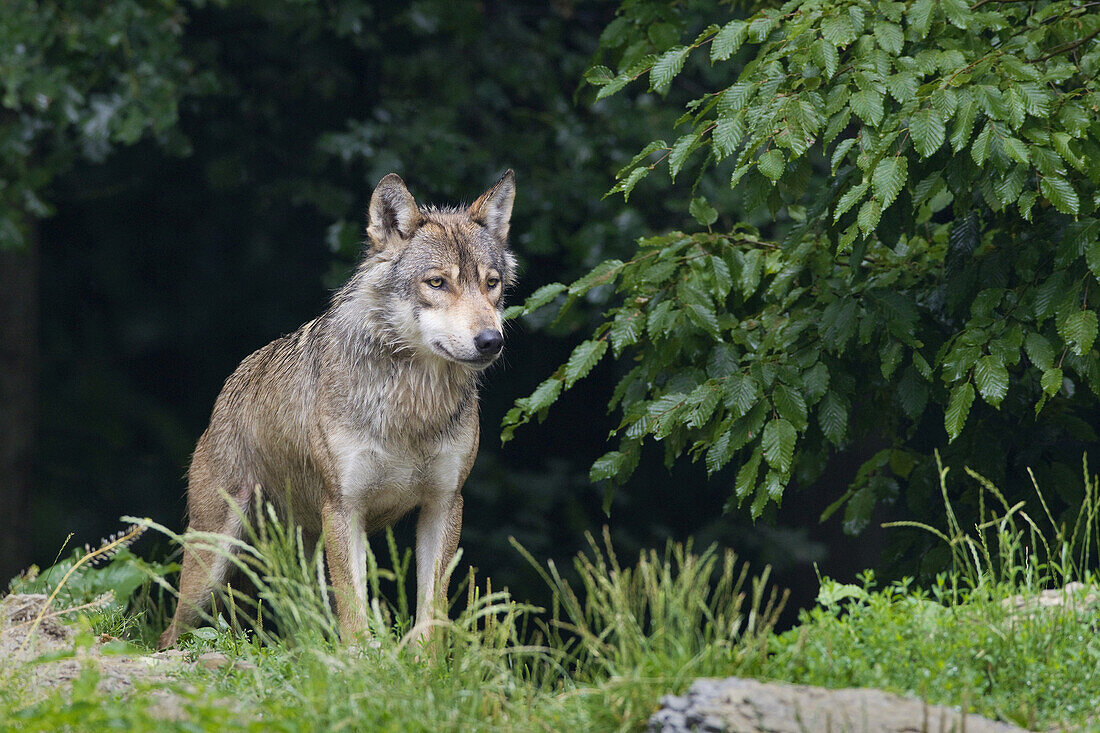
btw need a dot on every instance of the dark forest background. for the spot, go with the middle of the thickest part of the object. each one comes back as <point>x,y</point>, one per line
<point>205,190</point>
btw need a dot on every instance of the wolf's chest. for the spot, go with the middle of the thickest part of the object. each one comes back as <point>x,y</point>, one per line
<point>386,480</point>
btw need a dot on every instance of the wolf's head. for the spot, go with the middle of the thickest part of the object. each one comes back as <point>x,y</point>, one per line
<point>446,270</point>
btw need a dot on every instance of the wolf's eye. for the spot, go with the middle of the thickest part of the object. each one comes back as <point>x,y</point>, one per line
<point>434,282</point>
<point>492,282</point>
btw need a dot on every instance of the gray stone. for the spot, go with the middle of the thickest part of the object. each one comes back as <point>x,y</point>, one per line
<point>749,706</point>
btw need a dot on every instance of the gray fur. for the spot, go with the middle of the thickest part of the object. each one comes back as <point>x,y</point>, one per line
<point>370,410</point>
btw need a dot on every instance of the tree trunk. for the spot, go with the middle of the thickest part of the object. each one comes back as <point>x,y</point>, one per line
<point>18,402</point>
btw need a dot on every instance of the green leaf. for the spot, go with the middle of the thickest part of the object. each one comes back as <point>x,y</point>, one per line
<point>1039,351</point>
<point>541,297</point>
<point>957,12</point>
<point>902,86</point>
<point>1051,381</point>
<point>703,212</point>
<point>867,105</point>
<point>927,129</point>
<point>735,98</point>
<point>626,329</point>
<point>825,55</point>
<point>1016,149</point>
<point>958,408</point>
<point>790,404</point>
<point>667,66</point>
<point>727,135</point>
<point>832,416</point>
<point>772,164</point>
<point>584,357</point>
<point>1036,99</point>
<point>742,393</point>
<point>839,152</point>
<point>1092,257</point>
<point>602,274</point>
<point>704,317</point>
<point>869,214</point>
<point>815,381</point>
<point>626,185</point>
<point>889,178</point>
<point>747,476</point>
<point>964,121</point>
<point>719,453</point>
<point>889,36</point>
<point>778,442</point>
<point>728,40</point>
<point>598,76</point>
<point>752,264</point>
<point>839,29</point>
<point>607,466</point>
<point>919,15</point>
<point>645,152</point>
<point>681,149</point>
<point>544,395</point>
<point>852,196</point>
<point>615,85</point>
<point>1059,193</point>
<point>1078,329</point>
<point>992,379</point>
<point>913,393</point>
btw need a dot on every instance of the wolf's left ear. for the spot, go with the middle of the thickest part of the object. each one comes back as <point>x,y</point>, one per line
<point>494,208</point>
<point>394,214</point>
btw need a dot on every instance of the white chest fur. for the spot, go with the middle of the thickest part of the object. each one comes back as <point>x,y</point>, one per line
<point>381,481</point>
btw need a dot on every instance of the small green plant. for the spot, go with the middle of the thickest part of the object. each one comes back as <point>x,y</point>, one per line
<point>109,581</point>
<point>979,636</point>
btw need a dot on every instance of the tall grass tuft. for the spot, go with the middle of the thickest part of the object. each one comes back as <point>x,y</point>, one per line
<point>651,628</point>
<point>608,647</point>
<point>1008,548</point>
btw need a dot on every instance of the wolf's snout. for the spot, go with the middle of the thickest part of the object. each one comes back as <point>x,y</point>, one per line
<point>489,342</point>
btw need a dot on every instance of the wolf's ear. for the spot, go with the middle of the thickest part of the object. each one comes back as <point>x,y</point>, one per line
<point>494,208</point>
<point>393,212</point>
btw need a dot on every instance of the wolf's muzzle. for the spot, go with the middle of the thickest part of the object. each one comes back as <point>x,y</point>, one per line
<point>489,342</point>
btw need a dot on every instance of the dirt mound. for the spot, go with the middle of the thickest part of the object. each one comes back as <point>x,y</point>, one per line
<point>27,634</point>
<point>40,654</point>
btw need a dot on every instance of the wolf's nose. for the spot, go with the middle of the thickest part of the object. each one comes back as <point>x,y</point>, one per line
<point>489,341</point>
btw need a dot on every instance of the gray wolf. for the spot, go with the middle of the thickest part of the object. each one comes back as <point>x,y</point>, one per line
<point>368,411</point>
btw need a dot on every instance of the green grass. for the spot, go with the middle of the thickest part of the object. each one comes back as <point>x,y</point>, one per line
<point>618,636</point>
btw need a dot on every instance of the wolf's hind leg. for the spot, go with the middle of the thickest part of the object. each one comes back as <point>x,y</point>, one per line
<point>207,569</point>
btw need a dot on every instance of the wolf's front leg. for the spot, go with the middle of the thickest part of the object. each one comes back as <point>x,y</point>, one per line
<point>346,555</point>
<point>437,532</point>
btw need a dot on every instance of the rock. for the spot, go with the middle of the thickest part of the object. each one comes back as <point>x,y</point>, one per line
<point>1077,596</point>
<point>217,660</point>
<point>749,706</point>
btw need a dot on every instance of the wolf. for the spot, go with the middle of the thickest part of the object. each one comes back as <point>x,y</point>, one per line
<point>366,412</point>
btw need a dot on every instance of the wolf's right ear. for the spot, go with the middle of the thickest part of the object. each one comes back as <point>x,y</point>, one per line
<point>394,215</point>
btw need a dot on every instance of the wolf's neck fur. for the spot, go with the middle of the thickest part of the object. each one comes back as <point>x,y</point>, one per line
<point>388,384</point>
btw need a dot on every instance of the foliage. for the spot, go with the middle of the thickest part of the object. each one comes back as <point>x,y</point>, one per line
<point>77,79</point>
<point>917,184</point>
